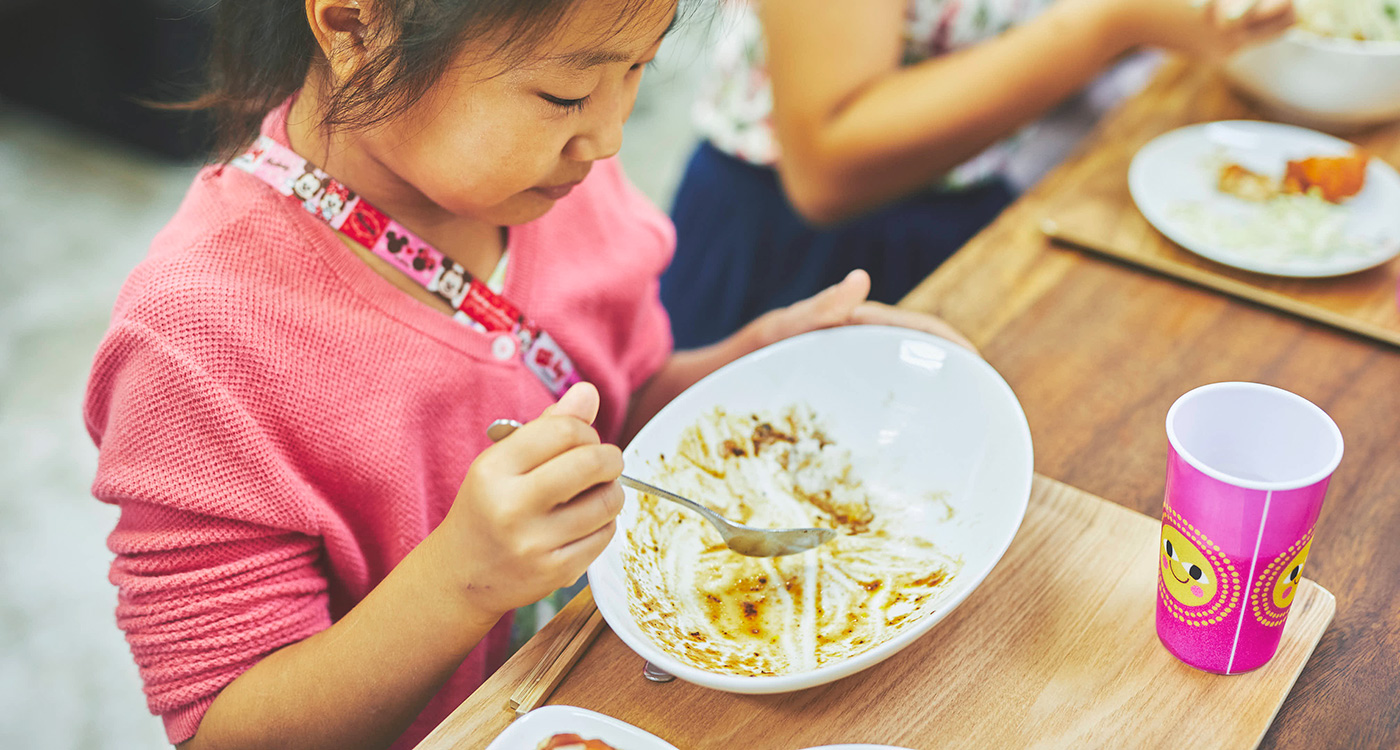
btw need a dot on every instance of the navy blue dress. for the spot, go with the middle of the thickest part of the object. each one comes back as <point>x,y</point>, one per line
<point>743,250</point>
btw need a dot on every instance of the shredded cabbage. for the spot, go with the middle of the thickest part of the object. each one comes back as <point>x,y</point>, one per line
<point>1368,20</point>
<point>1284,228</point>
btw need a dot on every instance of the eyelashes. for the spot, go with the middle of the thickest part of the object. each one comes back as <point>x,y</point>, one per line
<point>571,106</point>
<point>568,105</point>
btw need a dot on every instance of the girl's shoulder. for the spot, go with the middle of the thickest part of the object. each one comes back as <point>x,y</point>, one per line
<point>232,241</point>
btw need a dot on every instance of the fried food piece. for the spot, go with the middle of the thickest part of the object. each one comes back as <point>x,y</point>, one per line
<point>573,742</point>
<point>1334,178</point>
<point>1244,184</point>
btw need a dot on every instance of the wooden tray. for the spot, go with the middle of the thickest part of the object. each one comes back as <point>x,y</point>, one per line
<point>1094,211</point>
<point>1057,648</point>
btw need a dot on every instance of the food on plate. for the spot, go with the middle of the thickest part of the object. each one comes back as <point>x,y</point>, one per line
<point>1334,178</point>
<point>1301,215</point>
<point>1245,184</point>
<point>1364,20</point>
<point>1288,228</point>
<point>1331,178</point>
<point>573,742</point>
<point>719,611</point>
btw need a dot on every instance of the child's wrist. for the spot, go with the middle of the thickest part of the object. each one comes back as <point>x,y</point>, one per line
<point>442,575</point>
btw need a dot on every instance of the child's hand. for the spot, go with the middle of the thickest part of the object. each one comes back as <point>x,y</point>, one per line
<point>534,509</point>
<point>846,304</point>
<point>1207,29</point>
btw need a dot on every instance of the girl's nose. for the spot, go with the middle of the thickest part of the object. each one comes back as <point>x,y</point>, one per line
<point>602,135</point>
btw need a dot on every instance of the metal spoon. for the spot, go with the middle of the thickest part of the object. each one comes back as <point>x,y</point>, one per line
<point>746,540</point>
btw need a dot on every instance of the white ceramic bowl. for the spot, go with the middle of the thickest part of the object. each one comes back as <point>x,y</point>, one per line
<point>918,413</point>
<point>1305,79</point>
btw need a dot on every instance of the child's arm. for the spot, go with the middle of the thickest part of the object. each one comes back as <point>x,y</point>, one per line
<point>531,514</point>
<point>842,304</point>
<point>858,130</point>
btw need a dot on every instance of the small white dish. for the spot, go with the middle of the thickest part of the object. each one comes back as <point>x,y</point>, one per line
<point>917,412</point>
<point>528,731</point>
<point>1173,181</point>
<point>856,747</point>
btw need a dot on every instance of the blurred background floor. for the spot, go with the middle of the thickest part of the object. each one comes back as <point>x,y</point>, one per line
<point>78,211</point>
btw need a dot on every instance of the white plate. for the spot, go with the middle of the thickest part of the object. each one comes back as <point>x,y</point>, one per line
<point>856,747</point>
<point>918,414</point>
<point>528,731</point>
<point>1180,168</point>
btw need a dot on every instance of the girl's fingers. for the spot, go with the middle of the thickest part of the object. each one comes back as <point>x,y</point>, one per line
<point>1254,15</point>
<point>558,480</point>
<point>833,305</point>
<point>826,309</point>
<point>1232,11</point>
<point>1272,11</point>
<point>539,441</point>
<point>875,313</point>
<point>587,512</point>
<point>576,555</point>
<point>580,401</point>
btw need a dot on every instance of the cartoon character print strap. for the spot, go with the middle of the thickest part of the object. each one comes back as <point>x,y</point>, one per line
<point>476,305</point>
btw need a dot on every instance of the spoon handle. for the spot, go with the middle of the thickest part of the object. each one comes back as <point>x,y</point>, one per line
<point>640,486</point>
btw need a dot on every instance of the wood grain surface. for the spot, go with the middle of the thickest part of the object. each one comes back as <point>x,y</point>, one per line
<point>1057,648</point>
<point>1210,279</point>
<point>577,624</point>
<point>1098,212</point>
<point>1098,351</point>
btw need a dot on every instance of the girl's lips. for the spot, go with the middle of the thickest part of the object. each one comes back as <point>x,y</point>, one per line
<point>556,192</point>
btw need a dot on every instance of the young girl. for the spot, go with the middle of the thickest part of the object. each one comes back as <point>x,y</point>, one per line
<point>418,230</point>
<point>841,134</point>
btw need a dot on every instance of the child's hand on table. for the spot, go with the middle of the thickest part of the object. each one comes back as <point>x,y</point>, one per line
<point>846,304</point>
<point>534,509</point>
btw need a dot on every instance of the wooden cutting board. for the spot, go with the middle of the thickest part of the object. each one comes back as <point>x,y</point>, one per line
<point>1094,211</point>
<point>1057,648</point>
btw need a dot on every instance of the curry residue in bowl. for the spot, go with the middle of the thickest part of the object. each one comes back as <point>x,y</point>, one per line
<point>720,611</point>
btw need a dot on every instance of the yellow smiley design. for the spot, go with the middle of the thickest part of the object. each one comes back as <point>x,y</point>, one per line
<point>1196,584</point>
<point>1279,583</point>
<point>1188,575</point>
<point>1287,584</point>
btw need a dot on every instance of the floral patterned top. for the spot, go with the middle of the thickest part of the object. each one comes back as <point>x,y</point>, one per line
<point>735,108</point>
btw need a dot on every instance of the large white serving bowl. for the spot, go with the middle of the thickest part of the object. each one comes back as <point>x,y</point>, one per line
<point>919,414</point>
<point>1342,85</point>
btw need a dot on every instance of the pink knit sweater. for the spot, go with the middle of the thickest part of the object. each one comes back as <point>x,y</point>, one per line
<point>280,425</point>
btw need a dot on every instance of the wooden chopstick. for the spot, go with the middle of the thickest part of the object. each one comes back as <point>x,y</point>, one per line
<point>1223,284</point>
<point>571,631</point>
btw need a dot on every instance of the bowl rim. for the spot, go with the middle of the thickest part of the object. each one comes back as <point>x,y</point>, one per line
<point>759,684</point>
<point>1309,38</point>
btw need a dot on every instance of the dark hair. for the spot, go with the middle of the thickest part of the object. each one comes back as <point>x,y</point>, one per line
<point>264,49</point>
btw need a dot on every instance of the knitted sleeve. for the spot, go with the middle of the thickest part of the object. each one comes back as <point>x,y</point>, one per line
<point>217,557</point>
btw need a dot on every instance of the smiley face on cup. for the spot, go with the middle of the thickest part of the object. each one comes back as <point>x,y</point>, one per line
<point>1287,584</point>
<point>1188,575</point>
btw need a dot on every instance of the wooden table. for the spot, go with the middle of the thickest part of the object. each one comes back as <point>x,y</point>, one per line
<point>1097,352</point>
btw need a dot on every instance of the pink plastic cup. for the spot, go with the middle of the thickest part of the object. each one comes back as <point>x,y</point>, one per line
<point>1246,473</point>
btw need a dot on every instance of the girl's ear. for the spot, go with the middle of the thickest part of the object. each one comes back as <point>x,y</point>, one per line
<point>341,28</point>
